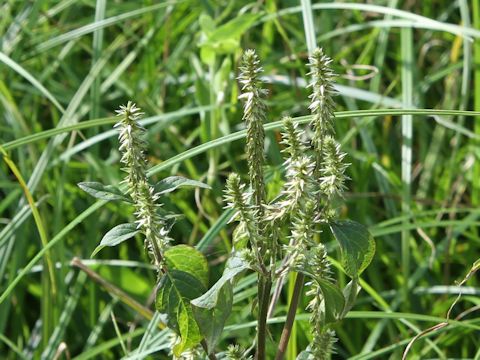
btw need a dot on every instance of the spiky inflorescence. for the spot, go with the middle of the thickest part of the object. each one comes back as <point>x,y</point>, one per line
<point>143,194</point>
<point>301,237</point>
<point>132,146</point>
<point>296,191</point>
<point>332,179</point>
<point>299,169</point>
<point>322,105</point>
<point>236,198</point>
<point>317,264</point>
<point>321,347</point>
<point>292,139</point>
<point>235,352</point>
<point>254,115</point>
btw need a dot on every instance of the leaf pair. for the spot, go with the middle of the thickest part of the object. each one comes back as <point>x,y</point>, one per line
<point>123,232</point>
<point>110,192</point>
<point>192,312</point>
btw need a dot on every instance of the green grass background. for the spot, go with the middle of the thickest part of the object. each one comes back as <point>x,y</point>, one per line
<point>415,175</point>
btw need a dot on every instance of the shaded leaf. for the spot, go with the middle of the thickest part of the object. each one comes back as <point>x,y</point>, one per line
<point>187,259</point>
<point>350,293</point>
<point>333,301</point>
<point>235,265</point>
<point>117,235</point>
<point>212,321</point>
<point>356,243</point>
<point>172,183</point>
<point>175,290</point>
<point>104,192</point>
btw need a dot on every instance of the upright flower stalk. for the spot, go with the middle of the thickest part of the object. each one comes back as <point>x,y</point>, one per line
<point>254,116</point>
<point>330,183</point>
<point>133,148</point>
<point>314,183</point>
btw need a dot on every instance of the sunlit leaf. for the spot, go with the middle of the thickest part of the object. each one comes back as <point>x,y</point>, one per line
<point>175,291</point>
<point>188,259</point>
<point>172,183</point>
<point>104,192</point>
<point>117,235</point>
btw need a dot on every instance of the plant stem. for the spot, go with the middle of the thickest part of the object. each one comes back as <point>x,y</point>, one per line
<point>292,311</point>
<point>264,287</point>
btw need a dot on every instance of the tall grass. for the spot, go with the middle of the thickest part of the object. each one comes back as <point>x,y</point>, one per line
<point>406,121</point>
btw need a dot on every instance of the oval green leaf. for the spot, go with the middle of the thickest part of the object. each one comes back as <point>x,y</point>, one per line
<point>356,243</point>
<point>104,192</point>
<point>172,183</point>
<point>175,291</point>
<point>188,259</point>
<point>115,236</point>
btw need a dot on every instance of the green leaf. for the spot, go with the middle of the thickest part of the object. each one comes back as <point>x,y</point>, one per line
<point>206,24</point>
<point>304,355</point>
<point>104,192</point>
<point>231,31</point>
<point>175,291</point>
<point>212,321</point>
<point>356,243</point>
<point>235,265</point>
<point>350,293</point>
<point>187,259</point>
<point>115,236</point>
<point>207,55</point>
<point>174,182</point>
<point>333,301</point>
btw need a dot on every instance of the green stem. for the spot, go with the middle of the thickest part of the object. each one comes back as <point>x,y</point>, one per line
<point>264,287</point>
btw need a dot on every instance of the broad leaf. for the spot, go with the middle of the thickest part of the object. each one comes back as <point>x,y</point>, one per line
<point>175,291</point>
<point>172,183</point>
<point>333,302</point>
<point>104,192</point>
<point>235,265</point>
<point>212,321</point>
<point>357,245</point>
<point>117,235</point>
<point>187,259</point>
